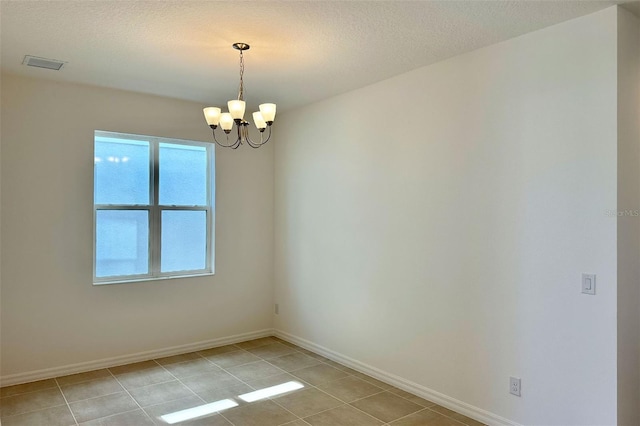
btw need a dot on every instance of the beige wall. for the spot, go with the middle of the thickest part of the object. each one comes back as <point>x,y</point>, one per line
<point>52,315</point>
<point>435,225</point>
<point>628,226</point>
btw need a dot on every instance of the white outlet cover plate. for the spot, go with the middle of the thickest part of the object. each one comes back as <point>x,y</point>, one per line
<point>589,284</point>
<point>515,386</point>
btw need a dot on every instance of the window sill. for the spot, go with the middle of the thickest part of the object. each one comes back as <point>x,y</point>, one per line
<point>137,280</point>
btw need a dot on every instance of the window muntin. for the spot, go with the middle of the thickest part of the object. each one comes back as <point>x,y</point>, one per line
<point>153,208</point>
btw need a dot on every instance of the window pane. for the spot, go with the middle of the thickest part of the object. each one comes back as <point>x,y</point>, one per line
<point>183,175</point>
<point>184,240</point>
<point>121,172</point>
<point>122,242</point>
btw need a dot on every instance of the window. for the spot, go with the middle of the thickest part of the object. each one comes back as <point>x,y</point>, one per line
<point>153,214</point>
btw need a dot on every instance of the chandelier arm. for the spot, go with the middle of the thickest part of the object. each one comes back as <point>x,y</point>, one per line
<point>244,135</point>
<point>251,143</point>
<point>238,141</point>
<point>263,141</point>
<point>241,133</point>
<point>268,137</point>
<point>234,145</point>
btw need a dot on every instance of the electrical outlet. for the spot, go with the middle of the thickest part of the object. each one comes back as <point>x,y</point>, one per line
<point>589,284</point>
<point>514,386</point>
<point>276,309</point>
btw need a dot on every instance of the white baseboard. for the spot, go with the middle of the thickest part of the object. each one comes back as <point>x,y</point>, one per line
<point>401,383</point>
<point>47,373</point>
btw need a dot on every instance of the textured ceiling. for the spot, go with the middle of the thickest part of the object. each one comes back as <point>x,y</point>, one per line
<point>301,51</point>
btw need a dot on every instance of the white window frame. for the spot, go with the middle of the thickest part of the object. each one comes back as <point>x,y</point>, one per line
<point>155,210</point>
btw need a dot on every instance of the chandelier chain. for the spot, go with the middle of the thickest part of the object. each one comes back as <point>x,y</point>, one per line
<point>241,89</point>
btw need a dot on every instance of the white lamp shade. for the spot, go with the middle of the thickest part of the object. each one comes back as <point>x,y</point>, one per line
<point>268,112</point>
<point>236,109</point>
<point>226,121</point>
<point>259,121</point>
<point>212,115</point>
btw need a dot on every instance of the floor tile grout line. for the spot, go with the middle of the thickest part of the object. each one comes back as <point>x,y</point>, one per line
<point>297,417</point>
<point>129,393</point>
<point>183,384</point>
<point>237,365</point>
<point>292,422</point>
<point>176,378</point>
<point>400,396</point>
<point>221,368</point>
<point>43,408</point>
<point>291,373</point>
<point>343,404</point>
<point>294,349</point>
<point>24,393</point>
<point>238,378</point>
<point>449,417</point>
<point>82,381</point>
<point>347,374</point>
<point>270,399</point>
<point>422,408</point>
<point>260,378</point>
<point>213,363</point>
<point>312,365</point>
<point>179,381</point>
<point>365,397</point>
<point>117,414</point>
<point>350,403</point>
<point>66,401</point>
<point>216,365</point>
<point>260,358</point>
<point>407,415</point>
<point>32,411</point>
<point>224,370</point>
<point>120,391</point>
<point>199,352</point>
<point>371,415</point>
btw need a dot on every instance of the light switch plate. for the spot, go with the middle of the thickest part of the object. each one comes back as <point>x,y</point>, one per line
<point>589,284</point>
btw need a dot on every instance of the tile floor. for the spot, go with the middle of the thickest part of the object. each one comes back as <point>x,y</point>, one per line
<point>193,388</point>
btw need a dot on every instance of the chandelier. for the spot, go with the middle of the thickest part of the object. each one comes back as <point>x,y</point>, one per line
<point>263,119</point>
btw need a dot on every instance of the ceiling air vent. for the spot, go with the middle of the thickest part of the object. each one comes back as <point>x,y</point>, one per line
<point>50,64</point>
